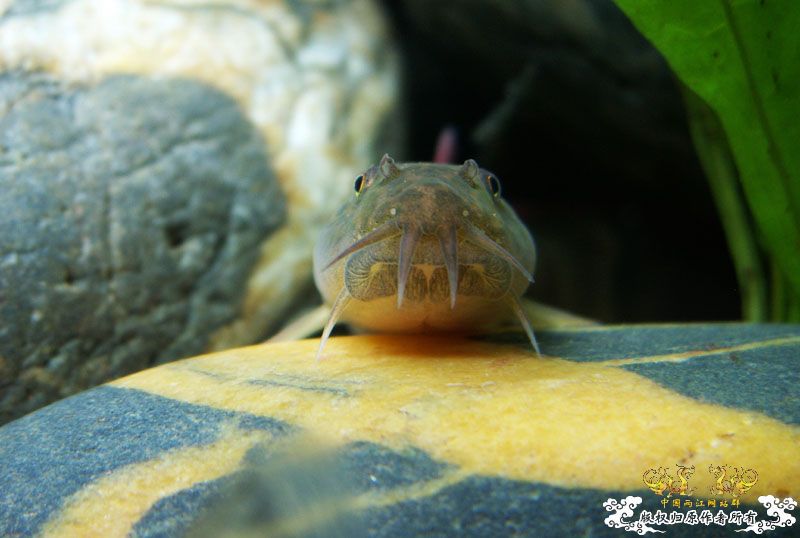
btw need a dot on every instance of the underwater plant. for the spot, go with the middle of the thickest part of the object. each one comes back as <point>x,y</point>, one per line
<point>739,66</point>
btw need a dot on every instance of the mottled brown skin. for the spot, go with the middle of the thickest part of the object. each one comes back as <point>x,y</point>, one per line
<point>442,235</point>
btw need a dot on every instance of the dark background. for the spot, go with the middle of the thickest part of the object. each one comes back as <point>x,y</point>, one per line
<point>584,124</point>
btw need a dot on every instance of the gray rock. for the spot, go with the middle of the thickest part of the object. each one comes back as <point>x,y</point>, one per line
<point>317,80</point>
<point>131,212</point>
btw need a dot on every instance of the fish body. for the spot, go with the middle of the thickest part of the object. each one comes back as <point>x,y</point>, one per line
<point>425,247</point>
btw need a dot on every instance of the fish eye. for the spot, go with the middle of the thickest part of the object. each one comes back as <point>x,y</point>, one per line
<point>359,184</point>
<point>493,184</point>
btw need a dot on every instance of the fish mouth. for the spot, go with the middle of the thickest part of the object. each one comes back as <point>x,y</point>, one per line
<point>447,235</point>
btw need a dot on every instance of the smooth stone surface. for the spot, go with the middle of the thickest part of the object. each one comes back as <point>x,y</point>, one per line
<point>431,436</point>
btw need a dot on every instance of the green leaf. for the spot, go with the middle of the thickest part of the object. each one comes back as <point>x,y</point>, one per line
<point>743,58</point>
<point>713,150</point>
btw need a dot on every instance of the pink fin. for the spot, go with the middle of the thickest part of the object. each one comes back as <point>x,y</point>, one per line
<point>446,146</point>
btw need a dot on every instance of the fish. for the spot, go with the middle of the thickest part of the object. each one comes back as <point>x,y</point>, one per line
<point>425,247</point>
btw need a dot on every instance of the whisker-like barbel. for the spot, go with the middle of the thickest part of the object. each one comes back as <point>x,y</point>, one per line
<point>477,236</point>
<point>336,310</point>
<point>384,231</point>
<point>515,304</point>
<point>448,242</point>
<point>408,243</point>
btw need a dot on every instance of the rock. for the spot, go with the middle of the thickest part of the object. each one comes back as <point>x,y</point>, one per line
<point>164,169</point>
<point>132,211</point>
<point>428,436</point>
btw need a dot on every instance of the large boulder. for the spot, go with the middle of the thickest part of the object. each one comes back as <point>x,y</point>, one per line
<point>430,437</point>
<point>131,213</point>
<point>164,168</point>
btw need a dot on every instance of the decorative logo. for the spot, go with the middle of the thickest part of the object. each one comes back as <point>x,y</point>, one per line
<point>738,483</point>
<point>728,480</point>
<point>729,483</point>
<point>659,481</point>
<point>623,512</point>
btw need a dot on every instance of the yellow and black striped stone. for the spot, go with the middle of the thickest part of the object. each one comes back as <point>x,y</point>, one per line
<point>434,436</point>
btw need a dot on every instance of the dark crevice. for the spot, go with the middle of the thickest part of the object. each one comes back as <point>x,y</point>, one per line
<point>177,233</point>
